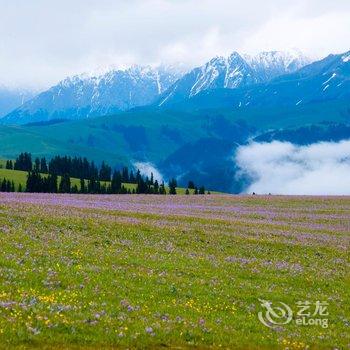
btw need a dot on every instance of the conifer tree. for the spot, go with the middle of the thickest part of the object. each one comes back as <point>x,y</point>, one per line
<point>3,185</point>
<point>172,186</point>
<point>37,165</point>
<point>74,189</point>
<point>43,166</point>
<point>125,175</point>
<point>52,183</point>
<point>156,187</point>
<point>82,186</point>
<point>116,183</point>
<point>9,165</point>
<point>23,162</point>
<point>65,184</point>
<point>191,185</point>
<point>132,178</point>
<point>162,189</point>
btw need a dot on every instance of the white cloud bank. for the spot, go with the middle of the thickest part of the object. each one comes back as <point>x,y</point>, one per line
<point>147,169</point>
<point>284,168</point>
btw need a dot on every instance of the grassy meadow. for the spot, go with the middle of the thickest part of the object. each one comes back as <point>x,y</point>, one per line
<point>162,271</point>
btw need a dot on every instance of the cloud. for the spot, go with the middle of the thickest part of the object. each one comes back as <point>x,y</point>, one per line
<point>43,41</point>
<point>147,169</point>
<point>284,168</point>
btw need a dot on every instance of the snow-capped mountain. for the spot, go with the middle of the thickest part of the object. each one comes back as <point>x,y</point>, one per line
<point>11,98</point>
<point>324,81</point>
<point>233,72</point>
<point>268,65</point>
<point>87,96</point>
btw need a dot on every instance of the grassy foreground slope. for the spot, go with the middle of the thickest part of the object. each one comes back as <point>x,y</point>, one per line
<point>153,271</point>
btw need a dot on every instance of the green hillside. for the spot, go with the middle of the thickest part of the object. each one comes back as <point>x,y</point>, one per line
<point>20,178</point>
<point>192,145</point>
<point>152,134</point>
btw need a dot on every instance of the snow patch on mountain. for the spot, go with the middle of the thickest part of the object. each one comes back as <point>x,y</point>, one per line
<point>346,57</point>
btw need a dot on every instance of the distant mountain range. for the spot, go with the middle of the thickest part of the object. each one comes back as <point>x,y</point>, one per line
<point>269,79</point>
<point>85,96</point>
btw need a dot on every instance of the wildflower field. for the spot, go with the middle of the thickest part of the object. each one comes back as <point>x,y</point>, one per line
<point>171,271</point>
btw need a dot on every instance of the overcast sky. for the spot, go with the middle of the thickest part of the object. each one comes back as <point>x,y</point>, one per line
<point>42,41</point>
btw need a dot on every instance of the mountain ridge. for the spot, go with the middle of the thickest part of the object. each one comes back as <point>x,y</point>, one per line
<point>88,96</point>
<point>85,96</point>
<point>233,72</point>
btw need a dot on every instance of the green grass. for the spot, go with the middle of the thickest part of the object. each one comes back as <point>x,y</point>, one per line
<point>95,278</point>
<point>20,177</point>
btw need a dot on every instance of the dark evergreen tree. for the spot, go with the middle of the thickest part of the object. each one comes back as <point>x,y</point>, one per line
<point>3,185</point>
<point>52,183</point>
<point>23,162</point>
<point>34,182</point>
<point>125,175</point>
<point>132,177</point>
<point>162,189</point>
<point>142,186</point>
<point>123,190</point>
<point>105,172</point>
<point>172,186</point>
<point>202,190</point>
<point>191,185</point>
<point>187,191</point>
<point>156,187</point>
<point>65,184</point>
<point>37,165</point>
<point>9,165</point>
<point>82,186</point>
<point>43,166</point>
<point>116,183</point>
<point>74,189</point>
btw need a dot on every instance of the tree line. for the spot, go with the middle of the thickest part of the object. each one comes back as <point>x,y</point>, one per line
<point>55,176</point>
